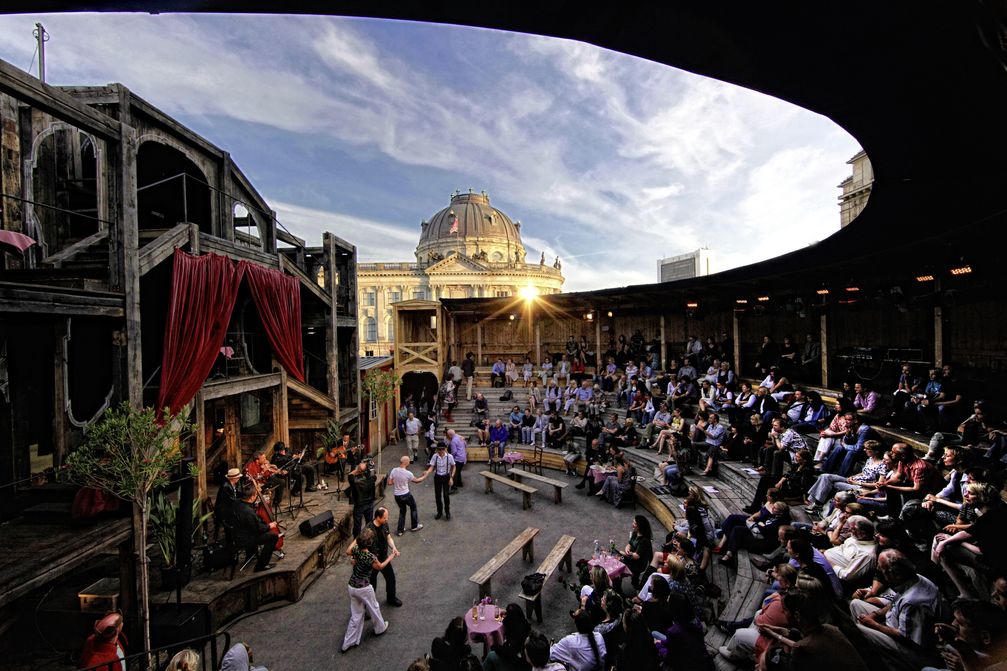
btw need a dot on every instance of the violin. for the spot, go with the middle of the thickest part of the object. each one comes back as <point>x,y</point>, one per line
<point>265,511</point>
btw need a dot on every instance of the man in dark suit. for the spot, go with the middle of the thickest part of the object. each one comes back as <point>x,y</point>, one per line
<point>251,532</point>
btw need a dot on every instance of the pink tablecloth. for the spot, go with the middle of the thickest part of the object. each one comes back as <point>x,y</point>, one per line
<point>614,567</point>
<point>513,457</point>
<point>600,474</point>
<point>488,627</point>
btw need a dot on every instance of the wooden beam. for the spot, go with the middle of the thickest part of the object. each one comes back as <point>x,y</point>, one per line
<point>663,340</point>
<point>210,243</point>
<point>331,272</point>
<point>938,336</point>
<point>736,337</point>
<point>312,286</point>
<point>200,445</point>
<point>823,335</point>
<point>239,385</point>
<point>52,305</point>
<point>538,343</point>
<point>68,253</point>
<point>231,428</point>
<point>479,345</point>
<point>59,423</point>
<point>281,410</point>
<point>43,97</point>
<point>161,248</point>
<point>312,394</point>
<point>129,260</point>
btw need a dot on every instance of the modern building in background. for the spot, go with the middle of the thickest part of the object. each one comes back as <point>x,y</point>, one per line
<point>684,266</point>
<point>468,249</point>
<point>856,189</point>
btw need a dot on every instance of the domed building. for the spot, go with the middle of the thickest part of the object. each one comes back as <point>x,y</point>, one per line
<point>467,249</point>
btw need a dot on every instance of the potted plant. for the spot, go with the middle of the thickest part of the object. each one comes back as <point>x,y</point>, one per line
<point>162,529</point>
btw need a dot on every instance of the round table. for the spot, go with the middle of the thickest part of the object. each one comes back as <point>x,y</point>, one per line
<point>615,568</point>
<point>487,629</point>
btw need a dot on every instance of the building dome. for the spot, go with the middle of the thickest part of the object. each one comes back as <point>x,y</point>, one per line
<point>471,226</point>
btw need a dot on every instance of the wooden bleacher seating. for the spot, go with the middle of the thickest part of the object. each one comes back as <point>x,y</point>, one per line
<point>558,486</point>
<point>525,490</point>
<point>560,555</point>
<point>525,542</point>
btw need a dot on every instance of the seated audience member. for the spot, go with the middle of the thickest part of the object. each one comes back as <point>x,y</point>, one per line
<point>616,486</point>
<point>914,478</point>
<point>627,435</point>
<point>510,373</point>
<point>590,595</point>
<point>448,651</point>
<point>482,430</point>
<point>536,649</point>
<point>902,632</point>
<point>849,449</point>
<point>907,386</point>
<point>854,560</point>
<point>661,420</point>
<point>798,403</point>
<point>759,536</point>
<point>685,393</point>
<point>637,652</point>
<point>829,483</point>
<point>610,627</point>
<point>687,369</point>
<point>556,433</point>
<point>106,645</point>
<point>830,437</point>
<point>683,647</point>
<point>185,660</point>
<point>817,645</point>
<point>540,428</point>
<point>498,437</point>
<point>639,549</point>
<point>509,655</point>
<point>527,371</point>
<point>714,434</point>
<point>516,423</point>
<point>980,550</point>
<point>810,562</point>
<point>946,504</point>
<point>706,394</point>
<point>814,416</point>
<point>498,373</point>
<point>866,401</point>
<point>480,407</point>
<point>583,650</point>
<point>239,658</point>
<point>747,643</point>
<point>976,638</point>
<point>765,405</point>
<point>778,385</point>
<point>791,485</point>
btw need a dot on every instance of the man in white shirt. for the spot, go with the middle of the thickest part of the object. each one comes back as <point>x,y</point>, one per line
<point>399,479</point>
<point>413,428</point>
<point>856,557</point>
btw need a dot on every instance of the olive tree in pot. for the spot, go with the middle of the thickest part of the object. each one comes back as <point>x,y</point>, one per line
<point>380,386</point>
<point>130,452</point>
<point>163,529</point>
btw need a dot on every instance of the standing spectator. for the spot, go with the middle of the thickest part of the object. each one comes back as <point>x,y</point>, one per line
<point>811,359</point>
<point>361,491</point>
<point>455,371</point>
<point>469,373</point>
<point>412,429</point>
<point>459,450</point>
<point>768,355</point>
<point>399,479</point>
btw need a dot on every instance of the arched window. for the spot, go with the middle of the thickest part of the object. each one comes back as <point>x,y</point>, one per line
<point>371,330</point>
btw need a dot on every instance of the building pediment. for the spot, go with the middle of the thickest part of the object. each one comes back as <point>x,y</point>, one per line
<point>456,263</point>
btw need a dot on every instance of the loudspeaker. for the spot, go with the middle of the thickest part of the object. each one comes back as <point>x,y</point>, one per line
<point>318,524</point>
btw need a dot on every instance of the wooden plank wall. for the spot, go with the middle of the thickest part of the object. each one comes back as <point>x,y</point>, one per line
<point>976,335</point>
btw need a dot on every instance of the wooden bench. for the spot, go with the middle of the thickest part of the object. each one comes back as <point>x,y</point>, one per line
<point>525,490</point>
<point>558,486</point>
<point>561,555</point>
<point>525,542</point>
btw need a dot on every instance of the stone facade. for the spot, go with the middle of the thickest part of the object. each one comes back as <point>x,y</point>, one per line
<point>465,250</point>
<point>856,189</point>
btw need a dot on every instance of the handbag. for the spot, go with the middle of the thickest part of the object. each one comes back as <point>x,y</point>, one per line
<point>532,583</point>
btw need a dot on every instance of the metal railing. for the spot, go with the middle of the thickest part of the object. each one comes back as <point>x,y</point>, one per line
<point>163,655</point>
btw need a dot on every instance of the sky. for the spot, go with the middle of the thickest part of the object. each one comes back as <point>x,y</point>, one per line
<point>365,127</point>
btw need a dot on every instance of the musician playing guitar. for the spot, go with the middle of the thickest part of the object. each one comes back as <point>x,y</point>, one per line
<point>268,475</point>
<point>294,465</point>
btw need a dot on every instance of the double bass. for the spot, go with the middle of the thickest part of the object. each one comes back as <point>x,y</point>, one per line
<point>265,511</point>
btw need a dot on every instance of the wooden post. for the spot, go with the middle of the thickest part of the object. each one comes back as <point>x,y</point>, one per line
<point>282,427</point>
<point>598,351</point>
<point>823,335</point>
<point>663,348</point>
<point>232,452</point>
<point>200,445</point>
<point>330,273</point>
<point>479,344</point>
<point>736,337</point>
<point>538,344</point>
<point>938,336</point>
<point>58,396</point>
<point>128,260</point>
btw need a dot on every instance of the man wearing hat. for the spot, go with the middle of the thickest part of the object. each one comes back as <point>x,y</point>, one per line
<point>252,533</point>
<point>293,465</point>
<point>442,465</point>
<point>107,645</point>
<point>227,496</point>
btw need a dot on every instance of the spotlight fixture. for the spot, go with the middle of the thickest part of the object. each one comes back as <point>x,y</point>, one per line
<point>924,278</point>
<point>762,299</point>
<point>961,270</point>
<point>741,301</point>
<point>609,313</point>
<point>692,305</point>
<point>853,289</point>
<point>589,316</point>
<point>822,292</point>
<point>512,317</point>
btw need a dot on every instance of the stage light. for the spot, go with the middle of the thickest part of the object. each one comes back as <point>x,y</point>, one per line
<point>924,278</point>
<point>962,270</point>
<point>852,289</point>
<point>692,305</point>
<point>589,316</point>
<point>512,317</point>
<point>762,299</point>
<point>609,313</point>
<point>741,301</point>
<point>822,292</point>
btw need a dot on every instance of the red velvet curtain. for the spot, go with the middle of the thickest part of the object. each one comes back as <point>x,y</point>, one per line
<point>203,291</point>
<point>278,300</point>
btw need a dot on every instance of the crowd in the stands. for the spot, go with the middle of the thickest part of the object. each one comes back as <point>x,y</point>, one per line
<point>877,552</point>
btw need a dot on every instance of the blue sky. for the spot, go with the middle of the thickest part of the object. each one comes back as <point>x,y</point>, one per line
<point>365,127</point>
